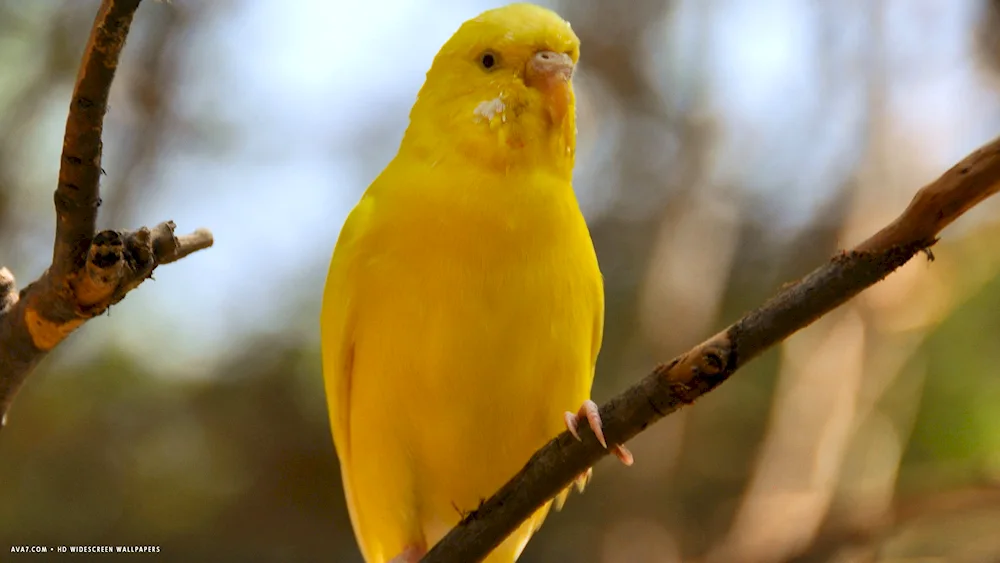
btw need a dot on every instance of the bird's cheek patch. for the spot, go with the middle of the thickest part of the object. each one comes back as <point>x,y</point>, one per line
<point>492,112</point>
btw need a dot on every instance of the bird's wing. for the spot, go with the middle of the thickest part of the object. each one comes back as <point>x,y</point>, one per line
<point>596,340</point>
<point>336,324</point>
<point>337,337</point>
<point>598,337</point>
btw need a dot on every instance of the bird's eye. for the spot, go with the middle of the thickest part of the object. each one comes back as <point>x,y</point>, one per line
<point>488,60</point>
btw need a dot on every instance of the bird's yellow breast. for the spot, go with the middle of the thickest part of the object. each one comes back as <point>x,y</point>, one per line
<point>477,322</point>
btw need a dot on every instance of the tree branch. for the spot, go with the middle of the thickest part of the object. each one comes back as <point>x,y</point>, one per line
<point>77,194</point>
<point>672,386</point>
<point>89,272</point>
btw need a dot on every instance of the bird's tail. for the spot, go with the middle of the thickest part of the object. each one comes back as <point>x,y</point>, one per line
<point>511,548</point>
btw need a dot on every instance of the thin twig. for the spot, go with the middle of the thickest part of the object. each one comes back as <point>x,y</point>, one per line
<point>78,195</point>
<point>672,386</point>
<point>89,272</point>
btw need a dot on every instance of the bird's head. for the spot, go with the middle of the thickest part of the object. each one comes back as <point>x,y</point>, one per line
<point>500,91</point>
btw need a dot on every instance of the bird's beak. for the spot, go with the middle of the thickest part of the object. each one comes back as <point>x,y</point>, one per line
<point>550,73</point>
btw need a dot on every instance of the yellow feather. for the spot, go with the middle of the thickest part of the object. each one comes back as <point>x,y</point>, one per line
<point>463,309</point>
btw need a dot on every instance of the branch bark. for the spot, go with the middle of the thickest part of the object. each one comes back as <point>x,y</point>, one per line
<point>703,368</point>
<point>90,271</point>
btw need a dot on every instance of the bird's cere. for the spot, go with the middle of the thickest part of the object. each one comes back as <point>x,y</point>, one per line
<point>547,69</point>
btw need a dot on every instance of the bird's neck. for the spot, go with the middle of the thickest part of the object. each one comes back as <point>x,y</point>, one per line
<point>498,135</point>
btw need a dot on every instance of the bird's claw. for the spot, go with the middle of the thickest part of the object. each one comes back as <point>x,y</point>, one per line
<point>590,412</point>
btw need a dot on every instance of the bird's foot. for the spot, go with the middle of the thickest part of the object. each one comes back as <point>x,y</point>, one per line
<point>411,554</point>
<point>590,412</point>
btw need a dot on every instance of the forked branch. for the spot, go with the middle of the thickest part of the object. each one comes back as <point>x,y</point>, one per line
<point>89,271</point>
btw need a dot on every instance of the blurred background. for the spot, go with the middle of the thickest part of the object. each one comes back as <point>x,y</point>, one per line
<point>726,147</point>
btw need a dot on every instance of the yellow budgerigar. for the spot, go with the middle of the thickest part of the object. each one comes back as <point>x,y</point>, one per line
<point>464,307</point>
